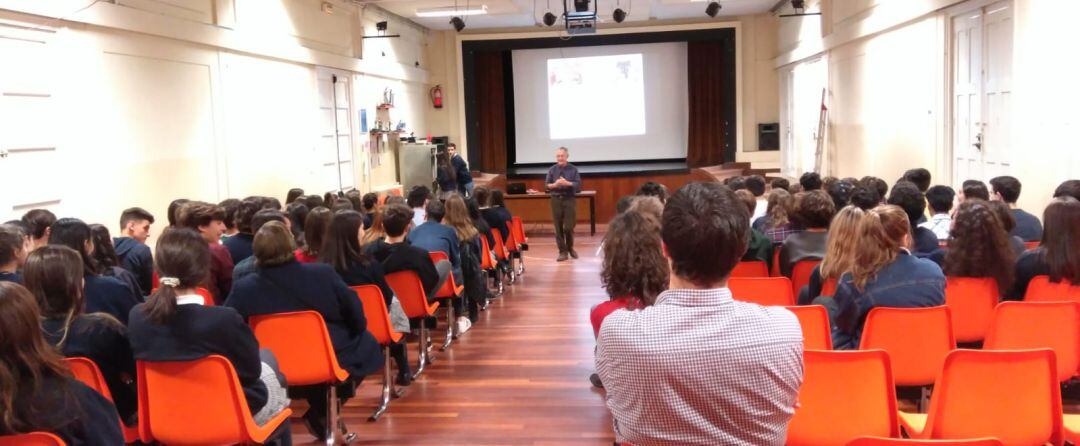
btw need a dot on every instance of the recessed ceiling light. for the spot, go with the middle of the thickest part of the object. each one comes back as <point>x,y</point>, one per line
<point>450,11</point>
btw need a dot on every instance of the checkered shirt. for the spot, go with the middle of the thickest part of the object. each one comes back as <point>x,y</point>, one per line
<point>780,233</point>
<point>698,368</point>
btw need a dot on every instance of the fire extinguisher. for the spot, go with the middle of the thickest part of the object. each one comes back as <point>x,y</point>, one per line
<point>436,96</point>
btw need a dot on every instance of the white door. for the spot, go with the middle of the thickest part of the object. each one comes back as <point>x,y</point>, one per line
<point>335,142</point>
<point>981,92</point>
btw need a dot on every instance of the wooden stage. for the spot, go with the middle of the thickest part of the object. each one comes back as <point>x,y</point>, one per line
<point>518,377</point>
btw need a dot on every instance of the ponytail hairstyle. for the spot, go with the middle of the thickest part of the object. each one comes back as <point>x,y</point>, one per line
<point>54,276</point>
<point>316,224</point>
<point>881,234</point>
<point>182,260</point>
<point>104,250</point>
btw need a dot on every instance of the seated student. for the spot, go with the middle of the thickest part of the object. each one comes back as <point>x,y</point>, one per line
<point>375,232</point>
<point>174,325</point>
<point>920,177</point>
<point>433,236</point>
<point>343,251</point>
<point>778,222</point>
<point>974,189</point>
<point>293,194</point>
<point>355,199</point>
<point>755,184</point>
<point>54,275</point>
<point>104,253</point>
<point>906,195</point>
<point>283,285</point>
<point>1070,188</point>
<point>839,253</point>
<point>39,393</point>
<point>173,213</point>
<point>418,198</point>
<point>865,197</point>
<point>239,245</point>
<point>652,189</point>
<point>810,181</point>
<point>496,215</point>
<point>1008,222</point>
<point>467,236</point>
<point>103,294</point>
<point>940,200</point>
<point>369,201</point>
<point>264,216</point>
<point>779,183</point>
<point>315,226</point>
<point>878,185</point>
<point>231,206</point>
<point>131,247</point>
<point>979,246</point>
<point>314,201</point>
<point>814,210</point>
<point>397,254</point>
<point>14,247</point>
<point>1007,189</point>
<point>883,274</point>
<point>40,221</point>
<point>1059,254</point>
<point>760,247</point>
<point>840,193</point>
<point>754,354</point>
<point>297,213</point>
<point>341,205</point>
<point>206,219</point>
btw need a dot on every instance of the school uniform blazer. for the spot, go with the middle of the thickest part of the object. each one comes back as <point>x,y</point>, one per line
<point>105,342</point>
<point>106,294</point>
<point>294,286</point>
<point>68,409</point>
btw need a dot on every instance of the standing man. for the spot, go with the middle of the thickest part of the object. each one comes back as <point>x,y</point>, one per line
<point>563,181</point>
<point>461,169</point>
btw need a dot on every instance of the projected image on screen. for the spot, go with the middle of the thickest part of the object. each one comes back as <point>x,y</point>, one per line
<point>596,96</point>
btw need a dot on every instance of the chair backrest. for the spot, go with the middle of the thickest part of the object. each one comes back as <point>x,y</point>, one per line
<point>510,241</point>
<point>500,246</point>
<point>378,318</point>
<point>302,346</point>
<point>880,441</point>
<point>410,291</point>
<point>518,229</point>
<point>971,301</point>
<point>1041,289</point>
<point>828,287</point>
<point>208,298</point>
<point>485,256</point>
<point>193,402</point>
<point>449,288</point>
<point>31,439</point>
<point>862,380</point>
<point>917,339</point>
<point>814,319</point>
<point>775,267</point>
<point>87,372</point>
<point>751,268</point>
<point>1011,395</point>
<point>800,274</point>
<point>1028,325</point>
<point>774,291</point>
<point>1028,246</point>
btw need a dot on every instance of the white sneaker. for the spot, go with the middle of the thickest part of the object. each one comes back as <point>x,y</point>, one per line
<point>463,324</point>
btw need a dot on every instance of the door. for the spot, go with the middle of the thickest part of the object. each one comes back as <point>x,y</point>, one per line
<point>981,92</point>
<point>335,142</point>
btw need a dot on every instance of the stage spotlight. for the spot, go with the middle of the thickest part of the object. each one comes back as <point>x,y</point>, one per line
<point>458,23</point>
<point>712,9</point>
<point>619,15</point>
<point>549,19</point>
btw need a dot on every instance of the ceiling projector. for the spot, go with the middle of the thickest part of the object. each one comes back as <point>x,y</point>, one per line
<point>580,20</point>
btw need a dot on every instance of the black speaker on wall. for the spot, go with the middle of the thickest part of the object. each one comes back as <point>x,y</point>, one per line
<point>768,136</point>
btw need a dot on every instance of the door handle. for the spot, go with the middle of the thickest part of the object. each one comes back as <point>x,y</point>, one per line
<point>978,142</point>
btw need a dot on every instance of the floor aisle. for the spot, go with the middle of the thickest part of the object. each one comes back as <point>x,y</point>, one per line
<point>519,377</point>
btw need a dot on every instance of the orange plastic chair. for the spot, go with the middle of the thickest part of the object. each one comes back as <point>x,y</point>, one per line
<point>828,288</point>
<point>1041,289</point>
<point>1011,395</point>
<point>917,340</point>
<point>410,291</point>
<point>305,354</point>
<point>862,381</point>
<point>88,373</point>
<point>775,271</point>
<point>501,253</point>
<point>378,324</point>
<point>197,402</point>
<point>800,274</point>
<point>971,301</point>
<point>208,299</point>
<point>814,319</point>
<point>1028,246</point>
<point>878,441</point>
<point>768,291</point>
<point>449,290</point>
<point>751,268</point>
<point>1027,325</point>
<point>488,266</point>
<point>518,229</point>
<point>32,439</point>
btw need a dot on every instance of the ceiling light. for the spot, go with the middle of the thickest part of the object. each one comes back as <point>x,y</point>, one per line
<point>712,9</point>
<point>450,11</point>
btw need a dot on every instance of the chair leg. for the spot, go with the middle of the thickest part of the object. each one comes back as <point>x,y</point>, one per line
<point>924,399</point>
<point>423,356</point>
<point>334,422</point>
<point>389,390</point>
<point>450,323</point>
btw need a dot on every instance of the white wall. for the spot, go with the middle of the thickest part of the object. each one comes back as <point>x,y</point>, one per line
<point>195,109</point>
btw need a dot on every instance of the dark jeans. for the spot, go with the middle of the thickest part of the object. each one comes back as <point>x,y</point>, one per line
<point>564,217</point>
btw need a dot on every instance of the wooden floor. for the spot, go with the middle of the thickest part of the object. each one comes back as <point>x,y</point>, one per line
<point>518,377</point>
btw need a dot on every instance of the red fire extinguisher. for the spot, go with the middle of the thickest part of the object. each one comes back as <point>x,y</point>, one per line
<point>436,96</point>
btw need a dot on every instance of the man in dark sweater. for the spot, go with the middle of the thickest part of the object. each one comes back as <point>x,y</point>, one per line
<point>1007,189</point>
<point>461,170</point>
<point>398,255</point>
<point>131,247</point>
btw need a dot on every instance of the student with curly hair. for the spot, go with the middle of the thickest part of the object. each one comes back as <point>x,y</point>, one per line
<point>634,270</point>
<point>978,246</point>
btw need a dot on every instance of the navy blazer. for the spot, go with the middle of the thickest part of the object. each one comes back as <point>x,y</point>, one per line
<point>239,246</point>
<point>105,342</point>
<point>294,286</point>
<point>106,294</point>
<point>196,332</point>
<point>136,257</point>
<point>68,409</point>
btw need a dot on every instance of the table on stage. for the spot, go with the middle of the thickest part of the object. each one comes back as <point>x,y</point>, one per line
<point>535,208</point>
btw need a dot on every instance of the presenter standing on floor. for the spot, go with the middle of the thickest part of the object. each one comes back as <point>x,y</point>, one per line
<point>562,182</point>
